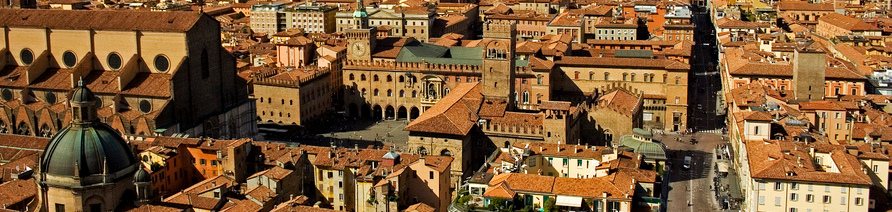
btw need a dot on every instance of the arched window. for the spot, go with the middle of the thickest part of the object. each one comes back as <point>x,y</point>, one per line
<point>422,151</point>
<point>376,92</point>
<point>351,76</point>
<point>414,94</point>
<point>606,75</point>
<point>526,97</point>
<point>205,68</point>
<point>389,92</point>
<point>362,77</point>
<point>677,80</point>
<point>389,78</point>
<point>576,75</point>
<point>446,152</point>
<point>402,79</point>
<point>363,92</point>
<point>633,78</point>
<point>402,93</point>
<point>665,77</point>
<point>591,75</point>
<point>375,78</point>
<point>539,79</point>
<point>625,77</point>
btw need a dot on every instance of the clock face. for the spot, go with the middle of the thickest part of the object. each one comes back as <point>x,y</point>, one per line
<point>359,49</point>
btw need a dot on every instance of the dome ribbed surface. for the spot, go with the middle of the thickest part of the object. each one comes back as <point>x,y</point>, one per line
<point>88,146</point>
<point>142,176</point>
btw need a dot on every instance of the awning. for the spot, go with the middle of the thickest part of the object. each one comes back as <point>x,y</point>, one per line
<point>569,201</point>
<point>723,167</point>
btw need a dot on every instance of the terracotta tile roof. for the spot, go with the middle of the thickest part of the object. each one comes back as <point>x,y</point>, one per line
<point>620,101</point>
<point>159,208</point>
<point>289,208</point>
<point>640,175</point>
<point>17,191</point>
<point>753,116</point>
<point>541,64</point>
<point>275,173</point>
<point>753,94</point>
<point>24,161</point>
<point>567,150</point>
<point>734,23</point>
<point>114,20</point>
<point>771,160</point>
<point>298,41</point>
<point>555,105</point>
<point>499,190</point>
<point>828,105</point>
<point>614,186</point>
<point>590,188</point>
<point>623,62</point>
<point>569,17</point>
<point>846,22</point>
<point>419,207</point>
<point>450,115</point>
<point>191,195</point>
<point>261,193</point>
<point>803,6</point>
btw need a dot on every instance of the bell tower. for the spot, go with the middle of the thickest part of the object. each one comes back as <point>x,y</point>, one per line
<point>498,62</point>
<point>361,38</point>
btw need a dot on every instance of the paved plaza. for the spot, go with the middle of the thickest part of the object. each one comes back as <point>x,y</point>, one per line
<point>365,132</point>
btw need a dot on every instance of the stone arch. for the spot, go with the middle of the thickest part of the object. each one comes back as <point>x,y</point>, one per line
<point>353,110</point>
<point>377,112</point>
<point>422,151</point>
<point>95,203</point>
<point>366,111</point>
<point>402,113</point>
<point>389,112</point>
<point>445,152</point>
<point>414,113</point>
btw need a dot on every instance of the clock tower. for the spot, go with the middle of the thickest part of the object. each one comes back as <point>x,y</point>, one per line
<point>361,38</point>
<point>498,62</point>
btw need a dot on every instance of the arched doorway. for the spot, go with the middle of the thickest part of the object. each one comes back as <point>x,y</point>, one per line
<point>422,151</point>
<point>389,113</point>
<point>353,110</point>
<point>402,113</point>
<point>376,112</point>
<point>413,113</point>
<point>366,111</point>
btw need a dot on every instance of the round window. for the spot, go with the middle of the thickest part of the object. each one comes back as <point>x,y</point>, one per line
<point>114,61</point>
<point>145,106</point>
<point>50,98</point>
<point>69,59</point>
<point>27,56</point>
<point>6,94</point>
<point>161,63</point>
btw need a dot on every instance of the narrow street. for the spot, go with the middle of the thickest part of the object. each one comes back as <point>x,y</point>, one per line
<point>691,189</point>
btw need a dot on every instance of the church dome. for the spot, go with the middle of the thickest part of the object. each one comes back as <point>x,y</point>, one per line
<point>142,176</point>
<point>87,149</point>
<point>82,94</point>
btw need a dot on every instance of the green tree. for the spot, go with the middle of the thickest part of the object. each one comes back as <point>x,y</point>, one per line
<point>549,206</point>
<point>497,204</point>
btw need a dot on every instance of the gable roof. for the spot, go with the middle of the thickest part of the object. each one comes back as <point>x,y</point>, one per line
<point>846,22</point>
<point>450,115</point>
<point>114,20</point>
